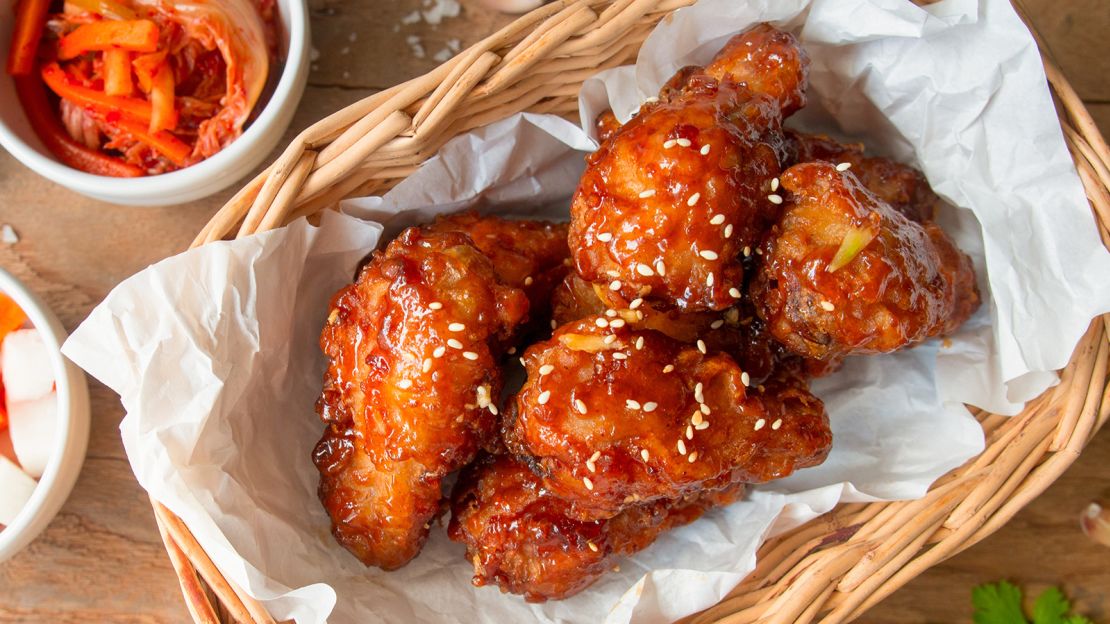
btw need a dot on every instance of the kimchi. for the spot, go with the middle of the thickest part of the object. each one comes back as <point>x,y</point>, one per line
<point>140,87</point>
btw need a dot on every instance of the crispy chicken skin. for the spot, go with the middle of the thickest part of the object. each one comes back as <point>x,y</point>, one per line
<point>898,282</point>
<point>671,198</point>
<point>523,540</point>
<point>610,416</point>
<point>526,254</point>
<point>902,187</point>
<point>413,348</point>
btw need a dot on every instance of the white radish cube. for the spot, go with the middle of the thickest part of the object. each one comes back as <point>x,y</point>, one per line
<point>15,490</point>
<point>25,366</point>
<point>33,426</point>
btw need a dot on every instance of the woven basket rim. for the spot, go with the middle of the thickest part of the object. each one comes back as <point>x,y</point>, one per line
<point>831,569</point>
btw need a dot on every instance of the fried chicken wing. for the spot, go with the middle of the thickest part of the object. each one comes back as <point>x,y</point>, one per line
<point>844,273</point>
<point>527,254</point>
<point>902,187</point>
<point>610,415</point>
<point>671,198</point>
<point>522,539</point>
<point>413,348</point>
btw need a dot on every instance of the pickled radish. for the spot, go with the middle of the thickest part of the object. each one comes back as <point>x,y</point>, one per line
<point>34,427</point>
<point>25,366</point>
<point>16,488</point>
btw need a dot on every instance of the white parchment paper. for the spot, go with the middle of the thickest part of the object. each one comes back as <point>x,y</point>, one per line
<point>214,353</point>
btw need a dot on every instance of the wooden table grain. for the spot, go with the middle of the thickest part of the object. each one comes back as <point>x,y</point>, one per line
<point>101,560</point>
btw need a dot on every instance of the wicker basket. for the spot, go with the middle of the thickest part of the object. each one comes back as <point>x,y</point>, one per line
<point>831,569</point>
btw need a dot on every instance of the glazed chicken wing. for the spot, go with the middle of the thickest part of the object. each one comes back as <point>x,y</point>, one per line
<point>524,540</point>
<point>526,254</point>
<point>610,416</point>
<point>844,273</point>
<point>671,198</point>
<point>902,187</point>
<point>413,347</point>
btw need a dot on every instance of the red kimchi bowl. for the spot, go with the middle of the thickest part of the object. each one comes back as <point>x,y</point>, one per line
<point>269,120</point>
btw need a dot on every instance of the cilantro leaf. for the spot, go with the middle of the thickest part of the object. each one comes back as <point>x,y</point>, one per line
<point>997,603</point>
<point>1051,607</point>
<point>1077,619</point>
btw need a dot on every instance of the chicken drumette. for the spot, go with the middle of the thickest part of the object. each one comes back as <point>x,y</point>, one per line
<point>527,542</point>
<point>610,416</point>
<point>670,199</point>
<point>414,347</point>
<point>844,273</point>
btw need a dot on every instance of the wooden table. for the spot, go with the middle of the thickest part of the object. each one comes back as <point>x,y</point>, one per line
<point>101,560</point>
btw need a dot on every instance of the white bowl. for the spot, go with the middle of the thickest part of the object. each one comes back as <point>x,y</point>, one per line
<point>73,426</point>
<point>200,180</point>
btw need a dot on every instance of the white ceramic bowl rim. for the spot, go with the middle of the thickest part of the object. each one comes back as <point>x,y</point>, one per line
<point>296,24</point>
<point>73,424</point>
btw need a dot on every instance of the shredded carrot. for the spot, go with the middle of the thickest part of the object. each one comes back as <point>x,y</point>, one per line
<point>133,35</point>
<point>117,72</point>
<point>163,114</point>
<point>11,316</point>
<point>105,8</point>
<point>165,143</point>
<point>30,22</point>
<point>109,105</point>
<point>146,65</point>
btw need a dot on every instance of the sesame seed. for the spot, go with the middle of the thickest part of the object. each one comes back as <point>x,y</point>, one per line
<point>698,396</point>
<point>639,315</point>
<point>696,419</point>
<point>630,404</point>
<point>610,339</point>
<point>708,254</point>
<point>745,378</point>
<point>734,292</point>
<point>605,237</point>
<point>620,356</point>
<point>644,270</point>
<point>709,280</point>
<point>470,355</point>
<point>637,302</point>
<point>521,361</point>
<point>592,546</point>
<point>650,99</point>
<point>775,425</point>
<point>435,305</point>
<point>758,251</point>
<point>528,281</point>
<point>454,344</point>
<point>404,384</point>
<point>668,368</point>
<point>844,166</point>
<point>438,352</point>
<point>704,149</point>
<point>644,455</point>
<point>669,143</point>
<point>492,409</point>
<point>639,342</point>
<point>456,327</point>
<point>728,231</point>
<point>704,409</point>
<point>660,268</point>
<point>683,142</point>
<point>693,199</point>
<point>747,251</point>
<point>650,406</point>
<point>427,366</point>
<point>701,346</point>
<point>681,447</point>
<point>610,313</point>
<point>693,457</point>
<point>616,323</point>
<point>544,397</point>
<point>600,322</point>
<point>580,405</point>
<point>511,350</point>
<point>827,306</point>
<point>646,194</point>
<point>615,285</point>
<point>590,466</point>
<point>554,324</point>
<point>333,315</point>
<point>546,369</point>
<point>689,432</point>
<point>759,424</point>
<point>589,484</point>
<point>774,184</point>
<point>774,199</point>
<point>612,273</point>
<point>596,456</point>
<point>716,324</point>
<point>717,219</point>
<point>702,425</point>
